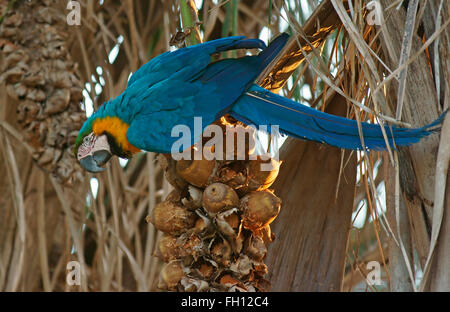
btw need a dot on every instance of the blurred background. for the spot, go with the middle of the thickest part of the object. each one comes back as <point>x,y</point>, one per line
<point>355,206</point>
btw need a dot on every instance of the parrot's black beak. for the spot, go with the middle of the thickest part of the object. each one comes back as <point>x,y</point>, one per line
<point>94,163</point>
<point>94,153</point>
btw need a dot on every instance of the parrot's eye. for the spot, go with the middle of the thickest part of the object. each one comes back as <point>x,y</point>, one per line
<point>87,140</point>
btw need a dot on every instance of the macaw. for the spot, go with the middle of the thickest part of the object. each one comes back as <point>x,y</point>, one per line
<point>174,87</point>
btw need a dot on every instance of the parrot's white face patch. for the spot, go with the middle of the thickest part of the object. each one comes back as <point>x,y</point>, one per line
<point>91,144</point>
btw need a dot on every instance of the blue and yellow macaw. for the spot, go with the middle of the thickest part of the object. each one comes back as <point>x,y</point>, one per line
<point>174,87</point>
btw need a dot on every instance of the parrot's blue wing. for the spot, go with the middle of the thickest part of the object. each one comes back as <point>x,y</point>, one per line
<point>196,89</point>
<point>151,132</point>
<point>166,64</point>
<point>170,103</point>
<point>175,102</point>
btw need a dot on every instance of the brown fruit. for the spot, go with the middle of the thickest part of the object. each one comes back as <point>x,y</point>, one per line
<point>201,225</point>
<point>255,248</point>
<point>172,218</point>
<point>219,197</point>
<point>242,266</point>
<point>193,200</point>
<point>167,163</point>
<point>193,285</point>
<point>174,196</point>
<point>171,275</point>
<point>168,248</point>
<point>228,281</point>
<point>192,245</point>
<point>196,172</point>
<point>259,208</point>
<point>187,244</point>
<point>233,174</point>
<point>205,268</point>
<point>220,251</point>
<point>228,222</point>
<point>262,173</point>
<point>233,220</point>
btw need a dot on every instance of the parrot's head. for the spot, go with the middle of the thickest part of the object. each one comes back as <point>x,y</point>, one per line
<point>99,139</point>
<point>93,152</point>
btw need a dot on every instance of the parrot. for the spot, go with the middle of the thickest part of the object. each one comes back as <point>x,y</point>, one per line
<point>176,86</point>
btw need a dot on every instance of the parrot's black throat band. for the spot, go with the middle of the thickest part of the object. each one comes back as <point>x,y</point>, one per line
<point>116,149</point>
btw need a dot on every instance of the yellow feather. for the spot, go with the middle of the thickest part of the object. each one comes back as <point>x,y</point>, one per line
<point>117,128</point>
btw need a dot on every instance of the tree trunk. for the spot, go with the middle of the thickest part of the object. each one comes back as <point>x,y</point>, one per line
<point>421,106</point>
<point>313,226</point>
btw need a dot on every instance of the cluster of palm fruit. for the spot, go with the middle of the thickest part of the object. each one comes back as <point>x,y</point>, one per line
<point>216,222</point>
<point>42,84</point>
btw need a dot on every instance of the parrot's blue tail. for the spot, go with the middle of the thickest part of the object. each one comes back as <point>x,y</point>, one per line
<point>262,107</point>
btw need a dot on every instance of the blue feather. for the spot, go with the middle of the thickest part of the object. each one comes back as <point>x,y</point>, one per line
<point>175,87</point>
<point>259,106</point>
<point>192,87</point>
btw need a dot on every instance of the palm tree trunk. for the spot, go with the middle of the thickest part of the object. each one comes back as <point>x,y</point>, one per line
<point>316,183</point>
